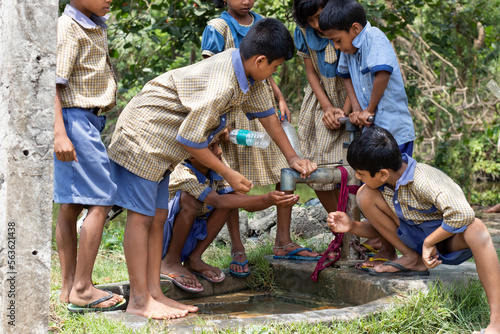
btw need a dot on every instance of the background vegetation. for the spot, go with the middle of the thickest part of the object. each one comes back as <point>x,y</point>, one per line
<point>448,51</point>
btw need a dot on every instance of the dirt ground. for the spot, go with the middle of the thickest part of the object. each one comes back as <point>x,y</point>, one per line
<point>492,221</point>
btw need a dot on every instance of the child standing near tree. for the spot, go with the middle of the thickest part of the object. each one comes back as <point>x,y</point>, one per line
<point>325,101</point>
<point>200,204</point>
<point>261,166</point>
<point>85,88</point>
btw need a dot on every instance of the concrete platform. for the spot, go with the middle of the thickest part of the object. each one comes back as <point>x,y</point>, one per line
<point>355,292</point>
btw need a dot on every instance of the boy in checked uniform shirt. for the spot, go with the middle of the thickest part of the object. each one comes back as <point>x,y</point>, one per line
<point>85,88</point>
<point>200,204</point>
<point>421,212</point>
<point>176,116</point>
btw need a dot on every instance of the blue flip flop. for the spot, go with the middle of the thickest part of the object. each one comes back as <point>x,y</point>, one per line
<point>292,256</point>
<point>237,274</point>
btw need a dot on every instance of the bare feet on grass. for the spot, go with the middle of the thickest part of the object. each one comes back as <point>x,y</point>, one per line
<point>150,308</point>
<point>174,304</point>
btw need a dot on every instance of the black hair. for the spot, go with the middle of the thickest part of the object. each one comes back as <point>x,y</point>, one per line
<point>374,150</point>
<point>268,37</point>
<point>304,9</point>
<point>219,3</point>
<point>341,15</point>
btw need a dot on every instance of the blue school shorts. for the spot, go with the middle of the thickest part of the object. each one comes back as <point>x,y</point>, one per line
<point>414,235</point>
<point>198,231</point>
<point>407,148</point>
<point>86,181</point>
<point>139,194</point>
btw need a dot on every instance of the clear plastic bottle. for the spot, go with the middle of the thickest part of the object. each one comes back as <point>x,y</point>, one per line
<point>493,86</point>
<point>291,133</point>
<point>249,138</point>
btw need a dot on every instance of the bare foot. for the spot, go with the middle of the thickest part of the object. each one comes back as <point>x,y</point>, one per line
<point>81,298</point>
<point>153,309</point>
<point>181,275</point>
<point>239,257</point>
<point>198,266</point>
<point>411,263</point>
<point>494,209</point>
<point>174,304</point>
<point>284,250</point>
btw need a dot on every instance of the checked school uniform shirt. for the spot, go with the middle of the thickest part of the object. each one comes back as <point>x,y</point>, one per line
<point>375,53</point>
<point>424,193</point>
<point>317,142</point>
<point>188,105</point>
<point>83,67</point>
<point>261,166</point>
<point>187,178</point>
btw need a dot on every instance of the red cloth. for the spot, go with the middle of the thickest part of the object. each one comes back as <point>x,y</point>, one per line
<point>337,241</point>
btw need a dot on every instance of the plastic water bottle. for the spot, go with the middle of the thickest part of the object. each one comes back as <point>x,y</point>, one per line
<point>293,138</point>
<point>493,86</point>
<point>249,138</point>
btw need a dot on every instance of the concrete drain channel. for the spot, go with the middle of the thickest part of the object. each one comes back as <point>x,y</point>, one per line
<point>341,294</point>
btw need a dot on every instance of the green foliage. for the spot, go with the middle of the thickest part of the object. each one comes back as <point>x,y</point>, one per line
<point>112,238</point>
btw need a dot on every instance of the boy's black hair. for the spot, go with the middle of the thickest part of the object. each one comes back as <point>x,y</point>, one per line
<point>341,15</point>
<point>268,37</point>
<point>219,3</point>
<point>374,150</point>
<point>304,9</point>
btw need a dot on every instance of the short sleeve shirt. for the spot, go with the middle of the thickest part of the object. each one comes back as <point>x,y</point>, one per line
<point>187,178</point>
<point>224,33</point>
<point>187,105</point>
<point>83,67</point>
<point>307,40</point>
<point>375,53</point>
<point>424,193</point>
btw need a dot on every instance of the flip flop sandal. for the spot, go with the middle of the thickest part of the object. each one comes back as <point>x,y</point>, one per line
<point>217,280</point>
<point>90,306</point>
<point>403,271</point>
<point>237,274</point>
<point>360,266</point>
<point>291,255</point>
<point>185,287</point>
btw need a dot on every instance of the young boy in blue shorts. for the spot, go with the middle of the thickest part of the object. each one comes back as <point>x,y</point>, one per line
<point>85,88</point>
<point>176,116</point>
<point>421,212</point>
<point>200,204</point>
<point>372,79</point>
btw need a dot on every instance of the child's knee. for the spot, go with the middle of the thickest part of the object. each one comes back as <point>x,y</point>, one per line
<point>189,203</point>
<point>479,231</point>
<point>366,197</point>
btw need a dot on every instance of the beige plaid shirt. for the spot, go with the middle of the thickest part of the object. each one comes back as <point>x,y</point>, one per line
<point>424,193</point>
<point>186,178</point>
<point>187,105</point>
<point>83,66</point>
